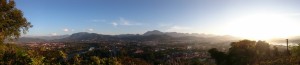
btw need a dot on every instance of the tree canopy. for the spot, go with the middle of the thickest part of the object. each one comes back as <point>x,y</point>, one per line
<point>247,52</point>
<point>12,22</point>
<point>242,53</point>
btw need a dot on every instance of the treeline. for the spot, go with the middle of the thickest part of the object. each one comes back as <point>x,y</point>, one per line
<point>12,54</point>
<point>247,52</point>
<point>103,54</point>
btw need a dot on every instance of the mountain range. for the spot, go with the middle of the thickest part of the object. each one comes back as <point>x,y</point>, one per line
<point>154,35</point>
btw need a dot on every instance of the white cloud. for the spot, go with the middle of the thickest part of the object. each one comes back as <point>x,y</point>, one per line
<point>179,29</point>
<point>90,29</point>
<point>66,30</point>
<point>114,23</point>
<point>124,22</point>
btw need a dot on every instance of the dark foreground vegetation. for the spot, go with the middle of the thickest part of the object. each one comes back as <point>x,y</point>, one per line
<point>102,54</point>
<point>246,52</point>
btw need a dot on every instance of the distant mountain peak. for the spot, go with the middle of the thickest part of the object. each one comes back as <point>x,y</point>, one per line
<point>154,32</point>
<point>81,33</point>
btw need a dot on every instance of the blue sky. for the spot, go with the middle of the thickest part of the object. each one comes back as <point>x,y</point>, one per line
<point>59,17</point>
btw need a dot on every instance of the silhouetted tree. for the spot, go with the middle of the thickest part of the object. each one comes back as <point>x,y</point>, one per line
<point>275,51</point>
<point>262,50</point>
<point>243,52</point>
<point>217,55</point>
<point>296,51</point>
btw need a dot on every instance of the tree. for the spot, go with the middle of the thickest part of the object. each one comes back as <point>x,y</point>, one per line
<point>95,60</point>
<point>243,52</point>
<point>296,51</point>
<point>14,56</point>
<point>263,50</point>
<point>63,55</point>
<point>217,55</point>
<point>12,22</point>
<point>76,60</point>
<point>275,51</point>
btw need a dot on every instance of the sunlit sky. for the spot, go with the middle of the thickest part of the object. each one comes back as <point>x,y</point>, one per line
<point>257,19</point>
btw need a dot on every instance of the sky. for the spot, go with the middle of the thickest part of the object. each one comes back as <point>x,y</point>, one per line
<point>221,17</point>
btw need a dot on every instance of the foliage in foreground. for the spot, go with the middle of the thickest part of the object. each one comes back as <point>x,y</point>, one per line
<point>12,54</point>
<point>12,22</point>
<point>246,52</point>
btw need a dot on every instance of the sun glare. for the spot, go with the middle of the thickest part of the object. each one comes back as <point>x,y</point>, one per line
<point>262,26</point>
